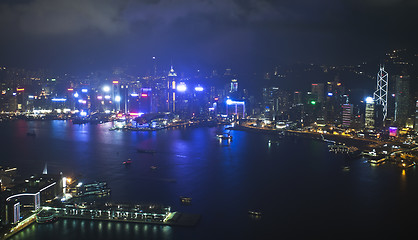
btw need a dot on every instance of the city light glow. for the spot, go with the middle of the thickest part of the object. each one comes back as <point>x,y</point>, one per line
<point>181,87</point>
<point>369,100</point>
<point>198,89</point>
<point>117,98</point>
<point>58,99</point>
<point>106,89</point>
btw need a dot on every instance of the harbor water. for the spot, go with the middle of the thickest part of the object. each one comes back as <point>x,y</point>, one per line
<point>300,188</point>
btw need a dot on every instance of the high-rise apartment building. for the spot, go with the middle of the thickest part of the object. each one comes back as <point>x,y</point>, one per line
<point>402,99</point>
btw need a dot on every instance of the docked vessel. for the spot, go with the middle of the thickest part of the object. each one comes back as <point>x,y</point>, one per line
<point>46,216</point>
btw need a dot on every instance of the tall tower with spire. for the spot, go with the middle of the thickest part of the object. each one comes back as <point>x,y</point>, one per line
<point>381,94</point>
<point>171,93</point>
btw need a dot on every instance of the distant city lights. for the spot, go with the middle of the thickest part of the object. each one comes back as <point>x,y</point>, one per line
<point>117,98</point>
<point>106,89</point>
<point>58,99</point>
<point>231,102</point>
<point>198,89</point>
<point>76,95</point>
<point>134,95</point>
<point>84,90</point>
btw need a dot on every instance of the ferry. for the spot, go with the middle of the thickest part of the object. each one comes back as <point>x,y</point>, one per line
<point>46,217</point>
<point>225,136</point>
<point>255,213</point>
<point>186,200</point>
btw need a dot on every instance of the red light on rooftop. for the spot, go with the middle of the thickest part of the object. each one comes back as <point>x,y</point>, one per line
<point>314,84</point>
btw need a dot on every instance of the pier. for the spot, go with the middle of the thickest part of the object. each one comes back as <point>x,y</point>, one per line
<point>147,214</point>
<point>125,213</point>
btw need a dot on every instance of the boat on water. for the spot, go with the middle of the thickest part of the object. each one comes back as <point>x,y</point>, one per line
<point>127,162</point>
<point>254,213</point>
<point>146,151</point>
<point>46,217</point>
<point>224,136</point>
<point>186,200</point>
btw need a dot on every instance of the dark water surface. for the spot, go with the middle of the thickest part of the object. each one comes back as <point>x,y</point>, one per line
<point>300,188</point>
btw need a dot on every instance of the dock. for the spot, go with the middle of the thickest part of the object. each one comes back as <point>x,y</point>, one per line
<point>131,214</point>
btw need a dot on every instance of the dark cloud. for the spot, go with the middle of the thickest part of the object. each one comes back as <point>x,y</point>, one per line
<point>228,32</point>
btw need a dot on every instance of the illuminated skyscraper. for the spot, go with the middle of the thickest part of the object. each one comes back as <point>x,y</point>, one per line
<point>381,94</point>
<point>171,90</point>
<point>234,85</point>
<point>347,113</point>
<point>402,100</point>
<point>369,120</point>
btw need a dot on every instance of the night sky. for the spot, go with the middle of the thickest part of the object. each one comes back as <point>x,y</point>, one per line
<point>89,35</point>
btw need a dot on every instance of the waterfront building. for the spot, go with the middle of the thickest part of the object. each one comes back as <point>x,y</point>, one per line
<point>275,101</point>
